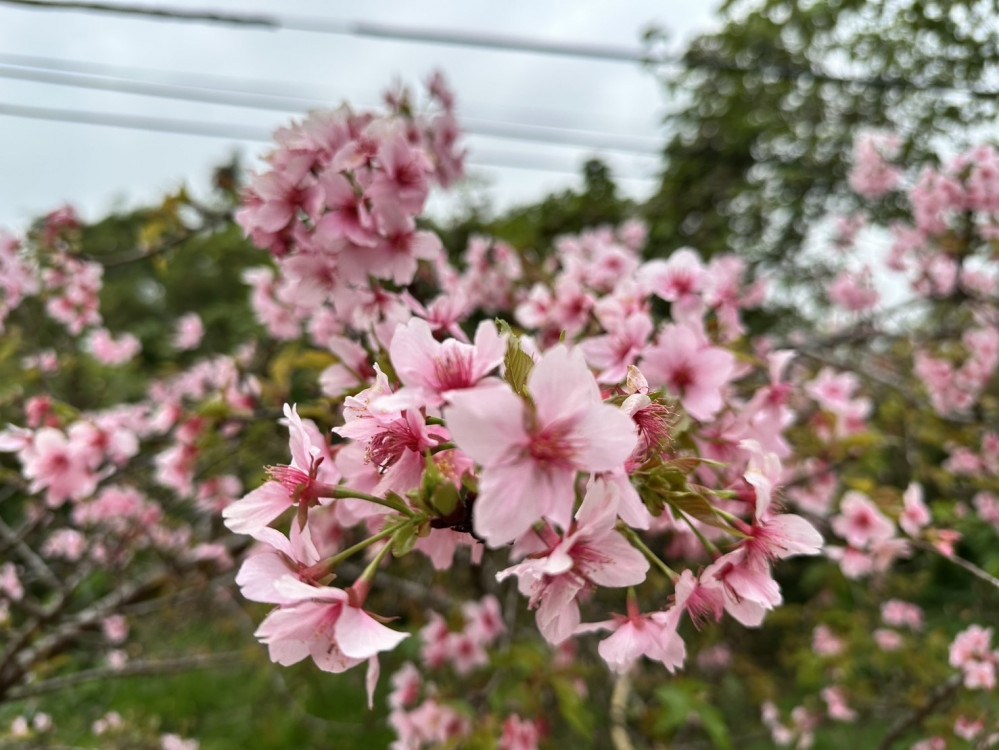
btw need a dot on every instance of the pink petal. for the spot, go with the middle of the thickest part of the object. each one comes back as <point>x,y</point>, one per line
<point>487,423</point>
<point>562,385</point>
<point>257,509</point>
<point>361,636</point>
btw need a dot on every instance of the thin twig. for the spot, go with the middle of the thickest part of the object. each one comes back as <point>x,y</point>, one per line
<point>960,562</point>
<point>33,560</point>
<point>913,720</point>
<point>135,669</point>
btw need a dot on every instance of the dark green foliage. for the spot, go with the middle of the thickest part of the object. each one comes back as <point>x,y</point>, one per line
<point>770,106</point>
<point>535,227</point>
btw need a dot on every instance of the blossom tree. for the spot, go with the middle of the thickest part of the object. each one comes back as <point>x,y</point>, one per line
<point>523,478</point>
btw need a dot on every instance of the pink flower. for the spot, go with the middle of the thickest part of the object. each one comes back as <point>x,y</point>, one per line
<point>746,584</point>
<point>530,457</point>
<point>854,292</point>
<point>324,623</point>
<point>431,371</point>
<point>616,351</point>
<point>115,628</point>
<point>825,642</point>
<point>348,216</point>
<point>483,619</point>
<point>10,584</point>
<point>279,557</point>
<point>690,369</point>
<point>679,279</point>
<point>836,703</point>
<point>297,482</point>
<point>593,554</point>
<point>636,635</point>
<point>58,465</point>
<point>860,522</point>
<point>902,614</point>
<point>109,351</point>
<point>887,640</point>
<point>915,514</point>
<point>871,176</point>
<point>188,332</point>
<point>406,684</point>
<point>519,734</point>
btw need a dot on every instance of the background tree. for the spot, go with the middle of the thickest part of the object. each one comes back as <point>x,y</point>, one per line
<point>760,147</point>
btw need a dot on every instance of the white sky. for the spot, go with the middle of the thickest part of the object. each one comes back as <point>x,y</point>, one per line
<point>44,165</point>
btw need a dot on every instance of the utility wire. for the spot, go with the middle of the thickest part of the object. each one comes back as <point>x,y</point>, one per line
<point>254,100</point>
<point>229,131</point>
<point>321,25</point>
<point>277,90</point>
<point>604,52</point>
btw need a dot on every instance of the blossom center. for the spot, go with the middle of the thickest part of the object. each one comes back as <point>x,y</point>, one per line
<point>553,445</point>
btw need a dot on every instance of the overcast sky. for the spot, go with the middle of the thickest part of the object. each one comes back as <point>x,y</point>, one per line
<point>46,164</point>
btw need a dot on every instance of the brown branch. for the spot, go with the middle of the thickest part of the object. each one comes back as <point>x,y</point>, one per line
<point>937,698</point>
<point>168,245</point>
<point>30,557</point>
<point>960,562</point>
<point>135,669</point>
<point>18,659</point>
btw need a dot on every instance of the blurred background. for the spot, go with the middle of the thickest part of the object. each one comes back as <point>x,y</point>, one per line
<point>725,126</point>
<point>533,116</point>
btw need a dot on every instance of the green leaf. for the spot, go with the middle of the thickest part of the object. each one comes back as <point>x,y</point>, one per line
<point>572,707</point>
<point>517,363</point>
<point>404,540</point>
<point>696,506</point>
<point>715,726</point>
<point>445,499</point>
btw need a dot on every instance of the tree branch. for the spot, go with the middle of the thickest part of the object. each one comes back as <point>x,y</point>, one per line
<point>913,720</point>
<point>135,669</point>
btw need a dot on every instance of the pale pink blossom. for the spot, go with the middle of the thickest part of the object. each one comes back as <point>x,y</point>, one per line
<point>431,371</point>
<point>322,622</point>
<point>530,457</point>
<point>860,522</point>
<point>968,729</point>
<point>887,639</point>
<point>296,483</point>
<point>825,642</point>
<point>58,465</point>
<point>690,369</point>
<point>854,292</point>
<point>616,351</point>
<point>636,635</point>
<point>10,582</point>
<point>176,742</point>
<point>110,351</point>
<point>915,514</point>
<point>519,734</point>
<point>188,332</point>
<point>836,705</point>
<point>872,176</point>
<point>902,614</point>
<point>593,554</point>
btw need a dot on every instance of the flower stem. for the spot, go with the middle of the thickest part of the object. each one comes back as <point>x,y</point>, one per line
<point>705,542</point>
<point>636,540</point>
<point>345,492</point>
<point>331,563</point>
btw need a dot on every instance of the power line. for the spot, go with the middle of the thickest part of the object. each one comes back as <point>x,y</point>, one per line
<point>316,24</point>
<point>230,131</point>
<point>278,90</point>
<point>288,103</point>
<point>506,43</point>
